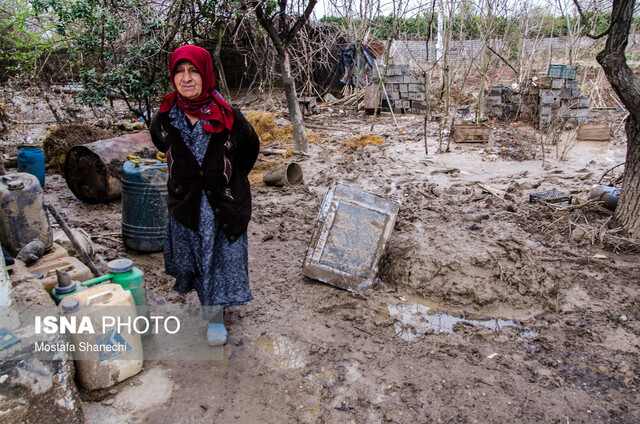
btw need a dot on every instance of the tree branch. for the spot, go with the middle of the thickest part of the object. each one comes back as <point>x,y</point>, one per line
<point>585,21</point>
<point>267,24</point>
<point>301,20</point>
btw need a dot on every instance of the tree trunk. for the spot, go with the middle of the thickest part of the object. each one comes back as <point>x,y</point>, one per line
<point>628,210</point>
<point>626,84</point>
<point>295,114</point>
<point>222,79</point>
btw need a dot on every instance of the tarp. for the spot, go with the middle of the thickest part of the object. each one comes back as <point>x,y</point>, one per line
<point>356,65</point>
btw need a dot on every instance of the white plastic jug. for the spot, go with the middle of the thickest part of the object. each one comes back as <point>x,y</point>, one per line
<point>110,354</point>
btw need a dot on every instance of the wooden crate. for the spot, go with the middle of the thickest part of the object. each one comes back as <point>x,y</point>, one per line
<point>594,132</point>
<point>471,133</point>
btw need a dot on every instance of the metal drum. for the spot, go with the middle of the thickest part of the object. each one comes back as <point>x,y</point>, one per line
<point>144,204</point>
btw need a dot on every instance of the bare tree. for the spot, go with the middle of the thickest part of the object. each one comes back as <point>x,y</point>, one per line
<point>282,31</point>
<point>626,84</point>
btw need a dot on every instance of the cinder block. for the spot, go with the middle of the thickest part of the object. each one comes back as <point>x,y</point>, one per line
<point>420,96</point>
<point>418,105</point>
<point>573,84</point>
<point>393,95</point>
<point>565,94</point>
<point>557,83</point>
<point>403,88</point>
<point>397,104</point>
<point>493,100</point>
<point>393,70</point>
<point>546,97</point>
<point>496,90</point>
<point>406,104</point>
<point>545,121</point>
<point>545,110</point>
<point>406,78</point>
<point>416,87</point>
<point>395,79</point>
<point>578,113</point>
<point>576,92</point>
<point>496,111</point>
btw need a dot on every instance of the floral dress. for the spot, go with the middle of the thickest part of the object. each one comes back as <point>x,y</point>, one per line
<point>205,260</point>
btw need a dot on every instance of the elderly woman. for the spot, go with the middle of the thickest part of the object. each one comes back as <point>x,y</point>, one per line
<point>210,149</point>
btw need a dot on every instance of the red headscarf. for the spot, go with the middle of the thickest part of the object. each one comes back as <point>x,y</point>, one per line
<point>210,107</point>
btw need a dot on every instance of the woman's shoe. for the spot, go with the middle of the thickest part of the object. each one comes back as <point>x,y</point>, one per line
<point>216,334</point>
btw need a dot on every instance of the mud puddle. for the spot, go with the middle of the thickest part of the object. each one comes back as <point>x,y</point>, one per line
<point>418,317</point>
<point>283,353</point>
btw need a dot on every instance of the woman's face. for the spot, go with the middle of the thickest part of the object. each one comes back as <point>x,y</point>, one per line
<point>187,80</point>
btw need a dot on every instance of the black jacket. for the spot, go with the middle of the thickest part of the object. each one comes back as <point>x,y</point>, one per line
<point>228,160</point>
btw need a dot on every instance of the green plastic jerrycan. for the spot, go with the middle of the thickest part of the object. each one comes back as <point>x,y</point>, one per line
<point>123,273</point>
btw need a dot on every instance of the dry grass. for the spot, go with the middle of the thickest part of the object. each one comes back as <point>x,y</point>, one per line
<point>365,140</point>
<point>61,138</point>
<point>265,125</point>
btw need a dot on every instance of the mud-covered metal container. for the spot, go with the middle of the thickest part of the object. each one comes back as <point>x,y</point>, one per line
<point>23,217</point>
<point>349,238</point>
<point>144,204</point>
<point>93,170</point>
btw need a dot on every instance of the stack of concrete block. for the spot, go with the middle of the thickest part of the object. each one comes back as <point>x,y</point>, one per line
<point>561,98</point>
<point>405,89</point>
<point>501,102</point>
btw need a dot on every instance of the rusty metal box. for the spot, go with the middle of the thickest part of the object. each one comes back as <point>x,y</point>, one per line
<point>349,238</point>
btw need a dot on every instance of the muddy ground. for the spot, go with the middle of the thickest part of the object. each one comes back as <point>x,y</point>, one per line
<point>487,309</point>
